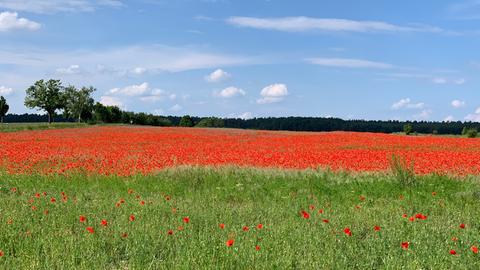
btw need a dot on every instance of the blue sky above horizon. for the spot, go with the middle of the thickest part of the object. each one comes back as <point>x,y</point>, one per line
<point>376,59</point>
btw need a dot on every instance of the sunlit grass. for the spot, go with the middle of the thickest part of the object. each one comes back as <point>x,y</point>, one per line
<point>30,238</point>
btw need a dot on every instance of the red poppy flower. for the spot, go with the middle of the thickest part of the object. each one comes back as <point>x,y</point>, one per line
<point>34,207</point>
<point>122,200</point>
<point>90,230</point>
<point>358,206</point>
<point>117,204</point>
<point>167,198</point>
<point>245,228</point>
<point>434,193</point>
<point>325,221</point>
<point>474,249</point>
<point>45,212</point>
<point>83,218</point>
<point>132,218</point>
<point>104,223</point>
<point>462,226</point>
<point>405,245</point>
<point>453,252</point>
<point>142,202</point>
<point>222,226</point>
<point>411,219</point>
<point>180,228</point>
<point>138,196</point>
<point>170,232</point>
<point>454,239</point>
<point>320,211</point>
<point>401,197</point>
<point>62,193</point>
<point>44,193</point>
<point>230,242</point>
<point>311,206</point>
<point>347,231</point>
<point>420,216</point>
<point>130,191</point>
<point>257,248</point>
<point>377,228</point>
<point>37,195</point>
<point>124,235</point>
<point>404,215</point>
<point>362,198</point>
<point>260,226</point>
<point>1,253</point>
<point>305,214</point>
<point>53,200</point>
<point>186,219</point>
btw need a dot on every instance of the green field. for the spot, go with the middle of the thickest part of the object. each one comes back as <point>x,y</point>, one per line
<point>12,127</point>
<point>31,238</point>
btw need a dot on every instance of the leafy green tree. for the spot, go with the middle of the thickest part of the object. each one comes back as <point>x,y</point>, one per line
<point>78,102</point>
<point>45,95</point>
<point>186,121</point>
<point>211,122</point>
<point>408,129</point>
<point>3,108</point>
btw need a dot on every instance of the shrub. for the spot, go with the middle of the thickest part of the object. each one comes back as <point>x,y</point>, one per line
<point>404,173</point>
<point>408,129</point>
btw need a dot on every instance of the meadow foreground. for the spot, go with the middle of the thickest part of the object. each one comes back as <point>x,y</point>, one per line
<point>196,218</point>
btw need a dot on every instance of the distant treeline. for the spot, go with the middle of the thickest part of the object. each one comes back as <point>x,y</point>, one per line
<point>112,114</point>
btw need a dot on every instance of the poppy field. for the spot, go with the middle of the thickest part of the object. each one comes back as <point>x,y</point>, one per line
<point>141,198</point>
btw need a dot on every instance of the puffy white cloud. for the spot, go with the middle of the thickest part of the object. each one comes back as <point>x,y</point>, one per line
<point>457,103</point>
<point>273,93</point>
<point>230,92</point>
<point>131,90</point>
<point>158,112</point>
<point>5,91</point>
<point>54,6</point>
<point>407,103</point>
<point>111,101</point>
<point>449,119</point>
<point>176,108</point>
<point>10,21</point>
<point>138,70</point>
<point>217,76</point>
<point>246,115</point>
<point>348,63</point>
<point>303,24</point>
<point>423,115</point>
<point>71,70</point>
<point>474,117</point>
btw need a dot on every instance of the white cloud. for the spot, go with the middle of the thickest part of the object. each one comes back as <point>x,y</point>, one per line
<point>303,24</point>
<point>111,101</point>
<point>273,93</point>
<point>54,6</point>
<point>474,117</point>
<point>449,119</point>
<point>423,115</point>
<point>348,63</point>
<point>460,81</point>
<point>71,70</point>
<point>11,21</point>
<point>439,80</point>
<point>138,70</point>
<point>457,103</point>
<point>246,115</point>
<point>217,76</point>
<point>407,104</point>
<point>427,77</point>
<point>230,92</point>
<point>176,108</point>
<point>158,112</point>
<point>131,90</point>
<point>5,91</point>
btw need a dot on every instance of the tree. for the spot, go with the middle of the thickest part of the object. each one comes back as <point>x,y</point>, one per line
<point>78,102</point>
<point>213,122</point>
<point>186,121</point>
<point>45,96</point>
<point>3,108</point>
<point>408,129</point>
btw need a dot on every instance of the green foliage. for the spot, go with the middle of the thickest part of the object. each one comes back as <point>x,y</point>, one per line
<point>45,95</point>
<point>237,198</point>
<point>403,172</point>
<point>186,121</point>
<point>408,129</point>
<point>3,108</point>
<point>211,122</point>
<point>470,132</point>
<point>78,103</point>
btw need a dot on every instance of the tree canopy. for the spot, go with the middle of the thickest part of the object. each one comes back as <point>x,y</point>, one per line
<point>45,95</point>
<point>3,108</point>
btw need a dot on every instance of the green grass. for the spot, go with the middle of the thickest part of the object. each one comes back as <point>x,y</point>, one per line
<point>13,127</point>
<point>238,197</point>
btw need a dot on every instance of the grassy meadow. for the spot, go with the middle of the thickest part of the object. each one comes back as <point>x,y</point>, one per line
<point>172,220</point>
<point>13,127</point>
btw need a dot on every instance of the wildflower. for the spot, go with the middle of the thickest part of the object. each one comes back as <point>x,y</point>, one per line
<point>405,245</point>
<point>222,226</point>
<point>170,232</point>
<point>245,228</point>
<point>320,211</point>
<point>420,216</point>
<point>474,249</point>
<point>454,239</point>
<point>142,202</point>
<point>104,223</point>
<point>132,218</point>
<point>453,252</point>
<point>404,215</point>
<point>130,191</point>
<point>186,219</point>
<point>90,230</point>
<point>347,231</point>
<point>434,193</point>
<point>325,221</point>
<point>257,248</point>
<point>53,200</point>
<point>305,214</point>
<point>167,198</point>
<point>362,198</point>
<point>1,253</point>
<point>412,219</point>
<point>230,242</point>
<point>37,195</point>
<point>260,226</point>
<point>462,226</point>
<point>83,219</point>
<point>311,206</point>
<point>377,228</point>
<point>124,235</point>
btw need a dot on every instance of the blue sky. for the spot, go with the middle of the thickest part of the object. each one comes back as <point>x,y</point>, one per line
<point>373,59</point>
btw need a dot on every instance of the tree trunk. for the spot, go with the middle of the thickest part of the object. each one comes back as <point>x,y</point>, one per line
<point>49,118</point>
<point>1,119</point>
<point>79,118</point>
